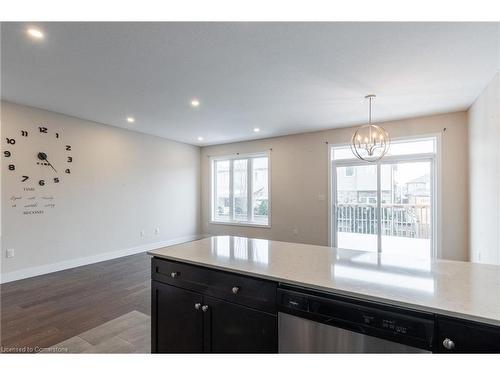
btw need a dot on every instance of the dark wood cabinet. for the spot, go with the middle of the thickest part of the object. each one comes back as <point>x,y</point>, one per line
<point>252,292</point>
<point>462,336</point>
<point>188,318</point>
<point>232,328</point>
<point>176,325</point>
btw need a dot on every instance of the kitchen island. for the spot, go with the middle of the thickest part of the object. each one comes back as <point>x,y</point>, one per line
<point>224,294</point>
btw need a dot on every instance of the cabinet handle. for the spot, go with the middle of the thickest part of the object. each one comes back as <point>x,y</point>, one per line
<point>173,275</point>
<point>204,308</point>
<point>197,306</point>
<point>235,289</point>
<point>448,344</point>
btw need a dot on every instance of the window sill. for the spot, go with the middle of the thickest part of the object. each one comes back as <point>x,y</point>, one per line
<point>240,224</point>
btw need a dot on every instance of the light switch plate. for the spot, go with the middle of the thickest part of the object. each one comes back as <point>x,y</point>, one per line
<point>9,253</point>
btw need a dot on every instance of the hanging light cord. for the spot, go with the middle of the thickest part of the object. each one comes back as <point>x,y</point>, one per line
<point>370,110</point>
<point>370,115</point>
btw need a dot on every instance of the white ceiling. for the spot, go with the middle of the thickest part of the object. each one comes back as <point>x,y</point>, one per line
<point>281,77</point>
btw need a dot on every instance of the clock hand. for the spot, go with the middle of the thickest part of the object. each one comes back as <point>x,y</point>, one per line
<point>50,165</point>
<point>43,156</point>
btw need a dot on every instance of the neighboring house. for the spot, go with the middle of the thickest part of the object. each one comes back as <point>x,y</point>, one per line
<point>418,190</point>
<point>359,185</point>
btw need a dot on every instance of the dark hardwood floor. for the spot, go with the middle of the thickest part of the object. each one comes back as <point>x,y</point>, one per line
<point>45,310</point>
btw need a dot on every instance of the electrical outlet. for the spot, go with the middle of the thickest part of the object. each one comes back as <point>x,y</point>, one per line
<point>143,233</point>
<point>9,253</point>
<point>157,231</point>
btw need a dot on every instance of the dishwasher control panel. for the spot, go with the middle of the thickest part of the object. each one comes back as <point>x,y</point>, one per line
<point>379,320</point>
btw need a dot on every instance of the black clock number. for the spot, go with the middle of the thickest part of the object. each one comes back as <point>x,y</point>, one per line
<point>12,167</point>
<point>70,159</point>
<point>25,178</point>
<point>68,148</point>
<point>56,180</point>
<point>24,133</point>
<point>67,171</point>
<point>41,182</point>
<point>42,129</point>
<point>7,154</point>
<point>57,135</point>
<point>11,141</point>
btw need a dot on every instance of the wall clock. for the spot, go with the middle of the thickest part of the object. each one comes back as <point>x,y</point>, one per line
<point>37,160</point>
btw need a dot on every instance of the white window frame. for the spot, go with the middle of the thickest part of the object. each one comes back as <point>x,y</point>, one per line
<point>434,158</point>
<point>231,159</point>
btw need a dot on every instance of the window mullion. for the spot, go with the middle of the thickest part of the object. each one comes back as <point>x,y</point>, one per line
<point>433,216</point>
<point>231,191</point>
<point>379,209</point>
<point>249,189</point>
<point>333,210</point>
<point>214,189</point>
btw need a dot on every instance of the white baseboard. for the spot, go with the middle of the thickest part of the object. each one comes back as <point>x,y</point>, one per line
<point>59,266</point>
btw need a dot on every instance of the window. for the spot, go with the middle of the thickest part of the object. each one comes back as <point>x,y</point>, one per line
<point>388,206</point>
<point>240,189</point>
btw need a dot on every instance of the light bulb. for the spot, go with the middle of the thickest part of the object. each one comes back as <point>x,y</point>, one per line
<point>35,33</point>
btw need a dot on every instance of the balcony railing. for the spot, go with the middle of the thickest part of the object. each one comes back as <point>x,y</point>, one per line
<point>400,220</point>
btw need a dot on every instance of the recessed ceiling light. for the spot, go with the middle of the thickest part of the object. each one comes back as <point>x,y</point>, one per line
<point>130,119</point>
<point>200,139</point>
<point>195,103</point>
<point>256,130</point>
<point>34,33</point>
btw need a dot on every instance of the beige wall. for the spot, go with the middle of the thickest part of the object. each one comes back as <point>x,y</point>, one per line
<point>121,182</point>
<point>299,177</point>
<point>484,166</point>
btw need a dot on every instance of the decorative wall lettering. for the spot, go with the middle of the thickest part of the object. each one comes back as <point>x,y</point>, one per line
<point>34,212</point>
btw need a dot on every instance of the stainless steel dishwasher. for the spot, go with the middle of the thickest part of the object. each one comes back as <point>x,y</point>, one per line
<point>312,322</point>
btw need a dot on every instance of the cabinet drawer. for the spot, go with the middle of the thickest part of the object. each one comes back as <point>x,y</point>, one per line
<point>248,291</point>
<point>467,337</point>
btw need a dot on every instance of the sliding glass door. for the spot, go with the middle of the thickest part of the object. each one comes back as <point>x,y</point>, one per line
<point>356,207</point>
<point>406,211</point>
<point>387,206</point>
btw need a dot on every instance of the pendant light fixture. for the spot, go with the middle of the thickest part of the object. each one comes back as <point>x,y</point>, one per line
<point>370,142</point>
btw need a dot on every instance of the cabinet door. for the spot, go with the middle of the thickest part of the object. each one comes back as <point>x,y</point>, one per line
<point>176,324</point>
<point>231,328</point>
<point>461,336</point>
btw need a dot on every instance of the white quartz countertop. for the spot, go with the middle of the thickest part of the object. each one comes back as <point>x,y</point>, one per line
<point>460,289</point>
